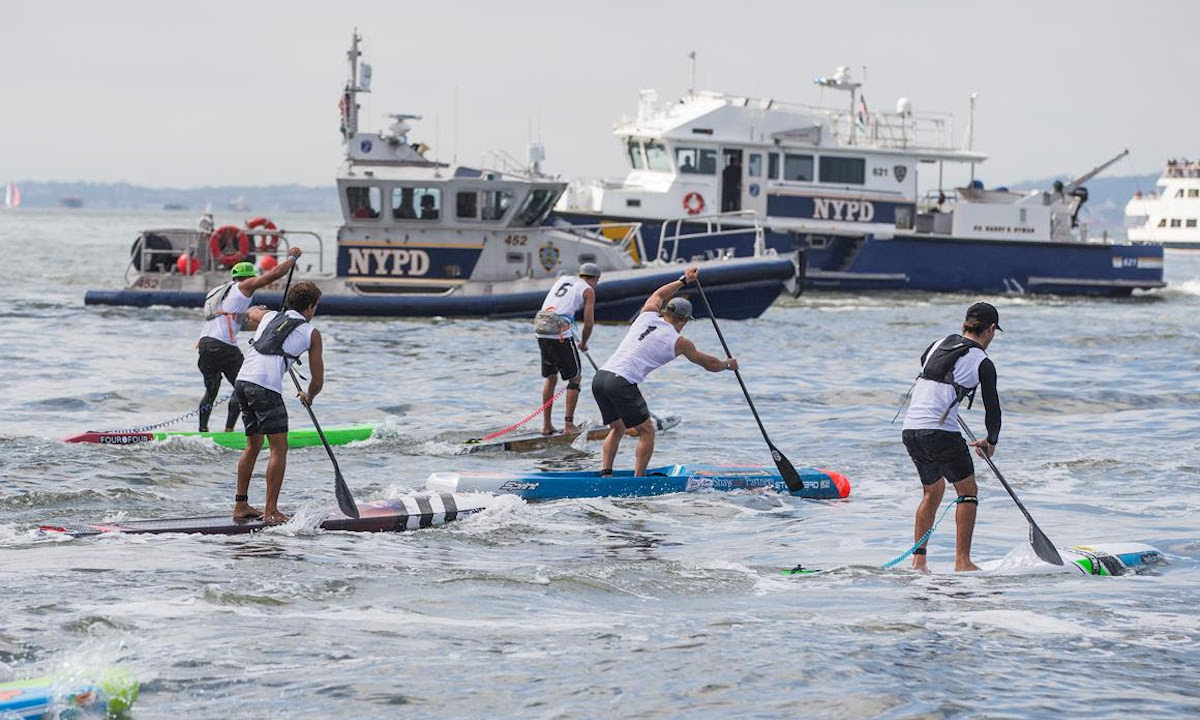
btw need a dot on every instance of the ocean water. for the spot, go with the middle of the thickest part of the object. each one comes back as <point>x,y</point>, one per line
<point>656,607</point>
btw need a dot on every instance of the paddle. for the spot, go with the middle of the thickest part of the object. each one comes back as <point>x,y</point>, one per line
<point>1041,544</point>
<point>790,476</point>
<point>341,491</point>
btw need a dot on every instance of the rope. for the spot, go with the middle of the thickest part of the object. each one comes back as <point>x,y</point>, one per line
<point>531,416</point>
<point>924,537</point>
<point>147,428</point>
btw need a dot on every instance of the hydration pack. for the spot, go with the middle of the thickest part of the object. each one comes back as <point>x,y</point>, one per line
<point>216,296</point>
<point>939,367</point>
<point>270,342</point>
<point>548,322</point>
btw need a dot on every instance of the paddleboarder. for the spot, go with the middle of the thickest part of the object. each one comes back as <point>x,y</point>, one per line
<point>951,370</point>
<point>653,340</point>
<point>281,338</point>
<point>554,327</point>
<point>224,316</point>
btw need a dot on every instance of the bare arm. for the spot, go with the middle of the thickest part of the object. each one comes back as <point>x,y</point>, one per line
<point>254,316</point>
<point>316,368</point>
<point>660,297</point>
<point>589,317</point>
<point>687,348</point>
<point>250,285</point>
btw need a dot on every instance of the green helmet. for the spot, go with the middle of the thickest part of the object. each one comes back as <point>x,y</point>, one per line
<point>244,270</point>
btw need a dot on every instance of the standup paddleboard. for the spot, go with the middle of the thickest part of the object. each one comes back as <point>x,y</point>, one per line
<point>818,484</point>
<point>525,442</point>
<point>300,437</point>
<point>1099,559</point>
<point>410,512</point>
<point>44,697</point>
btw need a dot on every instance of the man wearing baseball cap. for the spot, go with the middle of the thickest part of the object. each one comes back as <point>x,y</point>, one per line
<point>951,370</point>
<point>554,327</point>
<point>224,316</point>
<point>653,340</point>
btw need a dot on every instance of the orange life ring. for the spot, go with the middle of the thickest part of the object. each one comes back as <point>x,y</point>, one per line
<point>266,243</point>
<point>693,203</point>
<point>219,245</point>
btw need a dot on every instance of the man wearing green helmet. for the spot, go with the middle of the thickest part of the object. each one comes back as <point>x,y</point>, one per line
<point>224,315</point>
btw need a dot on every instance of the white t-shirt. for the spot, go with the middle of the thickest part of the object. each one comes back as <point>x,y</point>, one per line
<point>268,370</point>
<point>931,398</point>
<point>225,327</point>
<point>649,344</point>
<point>565,299</point>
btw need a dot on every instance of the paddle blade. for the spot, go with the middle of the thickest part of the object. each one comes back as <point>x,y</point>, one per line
<point>1042,546</point>
<point>789,474</point>
<point>346,501</point>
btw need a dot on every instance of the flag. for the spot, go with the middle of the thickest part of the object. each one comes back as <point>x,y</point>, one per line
<point>862,112</point>
<point>344,112</point>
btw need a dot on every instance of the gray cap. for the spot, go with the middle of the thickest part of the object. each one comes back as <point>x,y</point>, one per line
<point>589,270</point>
<point>680,307</point>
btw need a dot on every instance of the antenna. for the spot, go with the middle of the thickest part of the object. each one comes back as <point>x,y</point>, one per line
<point>454,159</point>
<point>692,58</point>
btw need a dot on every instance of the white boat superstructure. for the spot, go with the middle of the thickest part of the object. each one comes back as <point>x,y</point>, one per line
<point>1169,215</point>
<point>12,196</point>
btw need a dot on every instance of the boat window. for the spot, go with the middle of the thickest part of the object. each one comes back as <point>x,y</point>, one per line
<point>364,201</point>
<point>696,161</point>
<point>754,167</point>
<point>535,206</point>
<point>466,205</point>
<point>798,167</point>
<point>1179,192</point>
<point>416,203</point>
<point>656,156</point>
<point>635,155</point>
<point>1175,222</point>
<point>1191,222</point>
<point>851,171</point>
<point>1162,223</point>
<point>773,166</point>
<point>496,204</point>
<point>1193,192</point>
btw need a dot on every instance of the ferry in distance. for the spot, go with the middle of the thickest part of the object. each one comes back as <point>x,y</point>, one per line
<point>421,237</point>
<point>1168,215</point>
<point>842,184</point>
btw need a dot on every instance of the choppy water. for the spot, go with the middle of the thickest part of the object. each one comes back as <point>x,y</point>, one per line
<point>663,607</point>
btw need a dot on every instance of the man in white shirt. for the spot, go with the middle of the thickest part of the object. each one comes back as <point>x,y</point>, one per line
<point>554,327</point>
<point>653,340</point>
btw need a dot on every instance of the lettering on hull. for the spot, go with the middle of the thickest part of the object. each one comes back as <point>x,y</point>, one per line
<point>850,210</point>
<point>395,262</point>
<point>392,262</point>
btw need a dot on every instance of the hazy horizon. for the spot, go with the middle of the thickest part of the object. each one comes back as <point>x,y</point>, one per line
<point>246,93</point>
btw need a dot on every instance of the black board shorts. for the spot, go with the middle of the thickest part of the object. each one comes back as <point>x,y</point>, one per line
<point>559,356</point>
<point>263,411</point>
<point>619,399</point>
<point>939,454</point>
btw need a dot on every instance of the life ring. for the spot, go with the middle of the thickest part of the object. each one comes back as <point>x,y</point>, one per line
<point>693,203</point>
<point>266,243</point>
<point>219,245</point>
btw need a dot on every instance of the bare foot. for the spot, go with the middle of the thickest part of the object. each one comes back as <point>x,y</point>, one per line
<point>244,511</point>
<point>920,567</point>
<point>274,517</point>
<point>549,431</point>
<point>571,429</point>
<point>968,567</point>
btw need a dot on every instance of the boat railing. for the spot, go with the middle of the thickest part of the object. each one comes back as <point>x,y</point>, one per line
<point>195,244</point>
<point>894,130</point>
<point>717,225</point>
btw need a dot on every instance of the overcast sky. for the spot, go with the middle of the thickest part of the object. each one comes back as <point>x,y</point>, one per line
<point>167,93</point>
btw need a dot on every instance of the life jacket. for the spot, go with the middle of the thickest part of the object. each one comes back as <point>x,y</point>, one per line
<point>939,367</point>
<point>270,342</point>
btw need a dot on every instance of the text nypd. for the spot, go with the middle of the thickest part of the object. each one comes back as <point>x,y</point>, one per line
<point>388,261</point>
<point>852,210</point>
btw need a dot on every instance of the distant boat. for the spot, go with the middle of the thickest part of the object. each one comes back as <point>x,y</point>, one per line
<point>12,196</point>
<point>71,201</point>
<point>1167,216</point>
<point>174,206</point>
<point>239,204</point>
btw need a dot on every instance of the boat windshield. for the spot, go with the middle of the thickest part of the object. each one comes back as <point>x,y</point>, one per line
<point>416,203</point>
<point>535,207</point>
<point>364,202</point>
<point>657,157</point>
<point>798,167</point>
<point>696,161</point>
<point>635,155</point>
